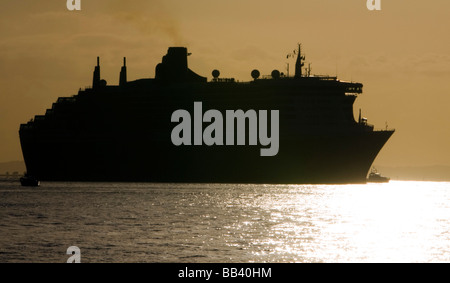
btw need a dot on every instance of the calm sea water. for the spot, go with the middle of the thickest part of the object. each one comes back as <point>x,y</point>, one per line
<point>129,222</point>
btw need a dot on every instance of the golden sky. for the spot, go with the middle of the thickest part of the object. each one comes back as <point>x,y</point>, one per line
<point>401,54</point>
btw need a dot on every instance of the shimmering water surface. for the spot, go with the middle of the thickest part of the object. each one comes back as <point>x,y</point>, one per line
<point>129,222</point>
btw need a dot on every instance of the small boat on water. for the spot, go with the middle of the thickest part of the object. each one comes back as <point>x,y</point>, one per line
<point>375,177</point>
<point>29,181</point>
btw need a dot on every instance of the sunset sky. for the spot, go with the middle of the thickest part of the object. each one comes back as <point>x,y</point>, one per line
<point>401,54</point>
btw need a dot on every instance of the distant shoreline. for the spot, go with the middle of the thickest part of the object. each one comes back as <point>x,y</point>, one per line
<point>12,168</point>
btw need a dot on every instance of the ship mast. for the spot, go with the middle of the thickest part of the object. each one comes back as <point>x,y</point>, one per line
<point>123,73</point>
<point>299,63</point>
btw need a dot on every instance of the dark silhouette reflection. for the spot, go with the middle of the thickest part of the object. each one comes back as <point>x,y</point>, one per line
<point>123,132</point>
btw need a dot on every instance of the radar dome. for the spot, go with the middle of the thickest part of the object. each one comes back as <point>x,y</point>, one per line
<point>276,74</point>
<point>215,74</point>
<point>255,74</point>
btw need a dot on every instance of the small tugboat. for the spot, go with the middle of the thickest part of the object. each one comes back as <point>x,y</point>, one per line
<point>375,177</point>
<point>29,181</point>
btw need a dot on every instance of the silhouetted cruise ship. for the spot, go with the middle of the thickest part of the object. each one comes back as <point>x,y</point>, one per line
<point>178,127</point>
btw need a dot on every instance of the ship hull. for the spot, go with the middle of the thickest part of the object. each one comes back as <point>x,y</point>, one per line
<point>308,160</point>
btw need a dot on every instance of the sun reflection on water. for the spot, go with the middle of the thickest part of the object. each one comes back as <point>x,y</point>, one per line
<point>393,222</point>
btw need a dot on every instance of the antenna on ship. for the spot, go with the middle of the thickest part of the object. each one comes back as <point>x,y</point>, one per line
<point>337,65</point>
<point>308,70</point>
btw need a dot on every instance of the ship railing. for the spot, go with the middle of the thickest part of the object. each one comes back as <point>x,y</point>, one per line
<point>66,99</point>
<point>353,92</point>
<point>324,77</point>
<point>25,126</point>
<point>223,80</point>
<point>39,118</point>
<point>83,89</point>
<point>384,130</point>
<point>270,77</point>
<point>366,126</point>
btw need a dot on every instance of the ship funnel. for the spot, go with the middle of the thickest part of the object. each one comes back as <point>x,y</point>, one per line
<point>174,67</point>
<point>123,73</point>
<point>96,77</point>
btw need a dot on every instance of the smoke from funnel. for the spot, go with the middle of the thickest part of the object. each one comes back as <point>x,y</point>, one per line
<point>149,17</point>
